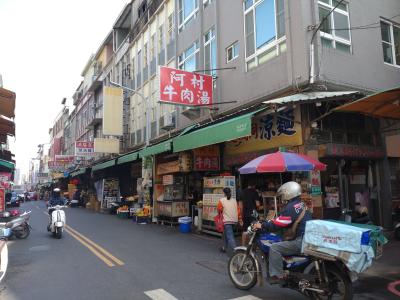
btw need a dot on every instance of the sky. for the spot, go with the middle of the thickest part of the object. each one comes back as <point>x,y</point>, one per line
<point>44,46</point>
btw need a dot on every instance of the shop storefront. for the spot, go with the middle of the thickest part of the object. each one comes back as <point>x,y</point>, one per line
<point>170,186</point>
<point>271,132</point>
<point>393,153</point>
<point>350,181</point>
<point>240,140</point>
<point>384,107</point>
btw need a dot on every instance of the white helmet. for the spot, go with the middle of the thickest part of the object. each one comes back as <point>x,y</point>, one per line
<point>289,190</point>
<point>56,190</point>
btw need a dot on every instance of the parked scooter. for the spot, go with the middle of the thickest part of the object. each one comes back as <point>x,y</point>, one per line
<point>7,216</point>
<point>3,258</point>
<point>57,220</point>
<point>18,227</point>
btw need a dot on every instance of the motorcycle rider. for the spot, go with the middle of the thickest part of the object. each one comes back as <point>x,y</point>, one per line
<point>290,196</point>
<point>56,199</point>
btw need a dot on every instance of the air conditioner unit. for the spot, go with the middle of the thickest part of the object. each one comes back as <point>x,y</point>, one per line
<point>169,122</point>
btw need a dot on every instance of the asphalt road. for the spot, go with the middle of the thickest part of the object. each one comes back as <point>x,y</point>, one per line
<point>103,257</point>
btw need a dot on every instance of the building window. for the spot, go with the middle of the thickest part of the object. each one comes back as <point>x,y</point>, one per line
<point>187,60</point>
<point>145,55</point>
<point>232,52</point>
<point>206,3</point>
<point>152,46</point>
<point>160,38</point>
<point>170,27</point>
<point>264,30</point>
<point>335,30</point>
<point>210,52</point>
<point>390,43</point>
<point>187,11</point>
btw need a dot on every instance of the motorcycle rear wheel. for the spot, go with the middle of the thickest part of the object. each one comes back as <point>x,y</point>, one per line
<point>58,233</point>
<point>245,278</point>
<point>23,233</point>
<point>340,286</point>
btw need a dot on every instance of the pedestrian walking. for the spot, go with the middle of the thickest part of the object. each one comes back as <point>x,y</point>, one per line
<point>249,201</point>
<point>230,211</point>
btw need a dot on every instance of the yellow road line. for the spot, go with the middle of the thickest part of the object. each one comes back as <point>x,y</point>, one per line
<point>97,250</point>
<point>93,250</point>
<point>98,247</point>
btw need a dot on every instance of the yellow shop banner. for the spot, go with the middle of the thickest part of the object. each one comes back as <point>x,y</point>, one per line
<point>268,131</point>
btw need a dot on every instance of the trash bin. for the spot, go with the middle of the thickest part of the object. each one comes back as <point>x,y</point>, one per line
<point>185,224</point>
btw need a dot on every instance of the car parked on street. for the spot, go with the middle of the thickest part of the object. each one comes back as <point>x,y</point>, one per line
<point>15,200</point>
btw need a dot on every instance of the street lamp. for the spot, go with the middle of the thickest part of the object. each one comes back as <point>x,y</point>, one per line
<point>147,108</point>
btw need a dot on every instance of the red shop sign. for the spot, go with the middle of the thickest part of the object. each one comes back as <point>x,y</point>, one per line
<point>185,88</point>
<point>206,163</point>
<point>2,200</point>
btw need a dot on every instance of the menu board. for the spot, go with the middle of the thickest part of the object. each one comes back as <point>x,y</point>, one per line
<point>110,192</point>
<point>173,209</point>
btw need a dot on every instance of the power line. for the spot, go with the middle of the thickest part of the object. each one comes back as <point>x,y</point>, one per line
<point>367,26</point>
<point>324,19</point>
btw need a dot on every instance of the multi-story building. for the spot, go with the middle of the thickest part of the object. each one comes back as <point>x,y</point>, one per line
<point>311,54</point>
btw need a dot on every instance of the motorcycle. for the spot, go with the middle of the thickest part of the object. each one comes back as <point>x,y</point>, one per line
<point>315,275</point>
<point>17,226</point>
<point>57,220</point>
<point>7,216</point>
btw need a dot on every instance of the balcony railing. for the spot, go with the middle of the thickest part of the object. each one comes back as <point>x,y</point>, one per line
<point>318,136</point>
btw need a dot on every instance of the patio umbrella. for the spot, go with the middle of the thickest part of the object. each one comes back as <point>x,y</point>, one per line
<point>280,162</point>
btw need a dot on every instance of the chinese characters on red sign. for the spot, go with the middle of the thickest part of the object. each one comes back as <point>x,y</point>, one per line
<point>206,163</point>
<point>64,159</point>
<point>185,88</point>
<point>83,148</point>
<point>206,158</point>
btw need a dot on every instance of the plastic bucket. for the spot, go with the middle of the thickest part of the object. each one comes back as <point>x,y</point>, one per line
<point>184,227</point>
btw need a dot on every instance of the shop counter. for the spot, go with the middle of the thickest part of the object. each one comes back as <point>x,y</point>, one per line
<point>173,209</point>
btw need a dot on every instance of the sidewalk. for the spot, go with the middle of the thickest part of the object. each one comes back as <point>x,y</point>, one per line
<point>383,272</point>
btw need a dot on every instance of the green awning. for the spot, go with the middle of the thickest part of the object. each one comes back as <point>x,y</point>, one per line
<point>187,129</point>
<point>127,158</point>
<point>78,172</point>
<point>221,132</point>
<point>104,165</point>
<point>7,164</point>
<point>156,149</point>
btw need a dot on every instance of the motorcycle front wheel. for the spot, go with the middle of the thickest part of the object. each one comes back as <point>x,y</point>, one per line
<point>23,232</point>
<point>339,286</point>
<point>242,270</point>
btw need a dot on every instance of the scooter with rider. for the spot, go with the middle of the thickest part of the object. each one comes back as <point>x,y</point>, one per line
<point>56,214</point>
